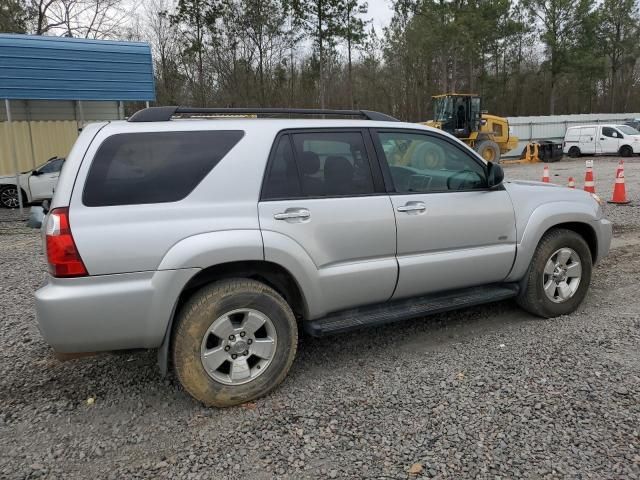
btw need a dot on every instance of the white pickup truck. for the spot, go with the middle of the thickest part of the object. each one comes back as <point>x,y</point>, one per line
<point>36,185</point>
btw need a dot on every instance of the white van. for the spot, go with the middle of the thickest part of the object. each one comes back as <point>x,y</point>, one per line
<point>601,139</point>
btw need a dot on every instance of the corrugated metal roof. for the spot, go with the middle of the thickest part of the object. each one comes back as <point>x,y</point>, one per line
<point>59,68</point>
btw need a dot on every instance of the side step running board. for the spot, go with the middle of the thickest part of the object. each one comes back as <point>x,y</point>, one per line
<point>393,311</point>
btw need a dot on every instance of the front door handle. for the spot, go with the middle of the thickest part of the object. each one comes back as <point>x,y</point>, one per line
<point>293,213</point>
<point>412,207</point>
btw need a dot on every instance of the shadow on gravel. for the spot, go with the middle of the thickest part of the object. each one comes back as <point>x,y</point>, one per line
<point>410,337</point>
<point>134,378</point>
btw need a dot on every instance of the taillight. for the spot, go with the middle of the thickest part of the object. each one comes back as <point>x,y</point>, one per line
<point>62,254</point>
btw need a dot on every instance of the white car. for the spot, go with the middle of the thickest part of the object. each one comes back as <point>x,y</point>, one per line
<point>36,185</point>
<point>601,139</point>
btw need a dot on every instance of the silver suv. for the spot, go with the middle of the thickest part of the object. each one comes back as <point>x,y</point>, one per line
<point>216,239</point>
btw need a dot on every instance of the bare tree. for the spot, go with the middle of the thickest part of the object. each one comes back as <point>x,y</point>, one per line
<point>79,18</point>
<point>162,35</point>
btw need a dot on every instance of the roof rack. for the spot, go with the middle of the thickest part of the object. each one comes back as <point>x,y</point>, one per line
<point>163,114</point>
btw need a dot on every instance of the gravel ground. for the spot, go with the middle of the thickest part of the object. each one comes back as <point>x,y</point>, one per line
<point>488,392</point>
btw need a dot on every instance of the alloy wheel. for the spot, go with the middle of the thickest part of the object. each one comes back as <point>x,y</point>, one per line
<point>9,197</point>
<point>562,274</point>
<point>238,346</point>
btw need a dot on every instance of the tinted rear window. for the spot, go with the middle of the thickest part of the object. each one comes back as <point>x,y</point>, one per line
<point>157,167</point>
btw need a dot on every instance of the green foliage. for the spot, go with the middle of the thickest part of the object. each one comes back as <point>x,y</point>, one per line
<point>619,34</point>
<point>525,57</point>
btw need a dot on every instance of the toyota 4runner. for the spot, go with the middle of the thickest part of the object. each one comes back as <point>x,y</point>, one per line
<point>216,239</point>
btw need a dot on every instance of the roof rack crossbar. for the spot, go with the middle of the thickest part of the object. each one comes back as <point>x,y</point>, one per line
<point>162,114</point>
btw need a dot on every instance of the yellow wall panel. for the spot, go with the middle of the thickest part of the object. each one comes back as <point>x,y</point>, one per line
<point>47,139</point>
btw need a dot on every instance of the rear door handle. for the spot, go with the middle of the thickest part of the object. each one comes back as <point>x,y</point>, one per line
<point>293,213</point>
<point>412,207</point>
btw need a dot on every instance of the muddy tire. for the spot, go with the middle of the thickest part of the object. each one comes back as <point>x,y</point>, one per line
<point>489,150</point>
<point>559,275</point>
<point>234,341</point>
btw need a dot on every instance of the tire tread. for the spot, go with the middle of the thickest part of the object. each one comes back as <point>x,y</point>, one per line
<point>211,294</point>
<point>530,298</point>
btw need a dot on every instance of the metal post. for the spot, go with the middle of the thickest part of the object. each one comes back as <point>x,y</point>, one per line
<point>33,155</point>
<point>12,141</point>
<point>147,103</point>
<point>120,110</point>
<point>81,111</point>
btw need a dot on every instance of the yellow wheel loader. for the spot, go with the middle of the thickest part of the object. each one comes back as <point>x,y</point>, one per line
<point>461,115</point>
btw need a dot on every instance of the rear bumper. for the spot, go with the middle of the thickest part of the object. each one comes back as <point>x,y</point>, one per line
<point>109,312</point>
<point>604,232</point>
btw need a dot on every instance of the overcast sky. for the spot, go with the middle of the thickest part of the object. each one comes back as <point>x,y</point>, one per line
<point>380,12</point>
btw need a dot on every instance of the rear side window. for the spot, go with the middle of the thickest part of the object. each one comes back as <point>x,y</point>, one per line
<point>333,164</point>
<point>318,164</point>
<point>155,167</point>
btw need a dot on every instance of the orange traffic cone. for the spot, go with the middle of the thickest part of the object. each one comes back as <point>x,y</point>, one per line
<point>589,181</point>
<point>545,174</point>
<point>572,183</point>
<point>619,191</point>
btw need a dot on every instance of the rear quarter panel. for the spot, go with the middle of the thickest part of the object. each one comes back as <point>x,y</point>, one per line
<point>130,238</point>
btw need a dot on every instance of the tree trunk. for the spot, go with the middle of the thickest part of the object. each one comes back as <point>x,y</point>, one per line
<point>612,88</point>
<point>350,68</point>
<point>320,56</point>
<point>292,79</point>
<point>552,95</point>
<point>201,92</point>
<point>261,73</point>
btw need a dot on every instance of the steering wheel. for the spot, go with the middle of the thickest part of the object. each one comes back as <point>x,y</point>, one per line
<point>463,182</point>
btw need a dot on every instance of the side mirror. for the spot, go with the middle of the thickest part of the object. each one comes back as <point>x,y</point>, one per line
<point>46,204</point>
<point>35,173</point>
<point>495,175</point>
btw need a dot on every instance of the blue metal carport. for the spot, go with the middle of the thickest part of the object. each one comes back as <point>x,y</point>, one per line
<point>60,68</point>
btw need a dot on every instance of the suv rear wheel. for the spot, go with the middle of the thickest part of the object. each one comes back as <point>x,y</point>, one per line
<point>559,275</point>
<point>235,341</point>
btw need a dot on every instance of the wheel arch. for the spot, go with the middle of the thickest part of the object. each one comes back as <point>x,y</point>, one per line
<point>585,230</point>
<point>574,148</point>
<point>576,218</point>
<point>626,147</point>
<point>269,273</point>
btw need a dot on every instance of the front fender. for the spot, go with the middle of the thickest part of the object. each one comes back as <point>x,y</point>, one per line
<point>540,221</point>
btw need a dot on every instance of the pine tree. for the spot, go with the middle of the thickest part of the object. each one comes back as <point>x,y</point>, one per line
<point>319,19</point>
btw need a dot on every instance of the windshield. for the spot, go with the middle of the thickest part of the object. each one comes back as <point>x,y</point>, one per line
<point>442,109</point>
<point>627,130</point>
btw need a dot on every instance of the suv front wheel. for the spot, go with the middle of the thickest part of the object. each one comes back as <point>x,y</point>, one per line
<point>235,341</point>
<point>559,275</point>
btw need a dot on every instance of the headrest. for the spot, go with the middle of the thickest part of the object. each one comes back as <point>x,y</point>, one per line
<point>335,166</point>
<point>309,163</point>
